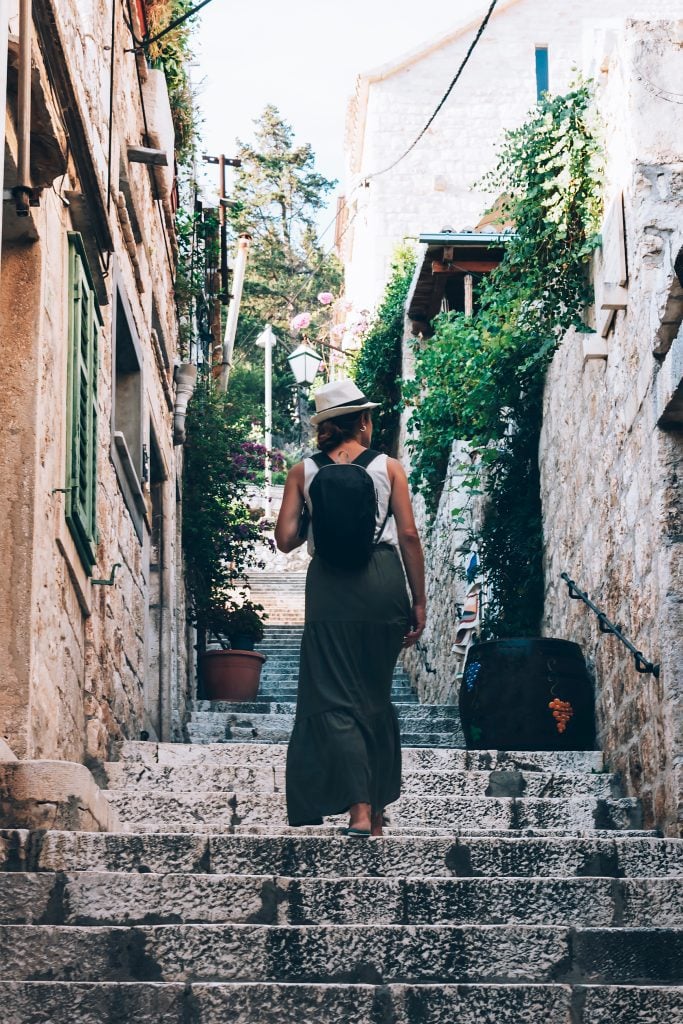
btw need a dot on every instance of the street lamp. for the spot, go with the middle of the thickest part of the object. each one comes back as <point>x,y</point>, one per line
<point>304,363</point>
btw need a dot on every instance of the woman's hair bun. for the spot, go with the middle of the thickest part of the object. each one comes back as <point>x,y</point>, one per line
<point>333,432</point>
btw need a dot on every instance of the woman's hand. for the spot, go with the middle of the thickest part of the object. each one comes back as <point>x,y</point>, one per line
<point>418,620</point>
<point>287,527</point>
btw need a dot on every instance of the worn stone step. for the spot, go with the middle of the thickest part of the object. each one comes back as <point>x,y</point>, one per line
<point>147,810</point>
<point>383,954</point>
<point>245,1003</point>
<point>331,854</point>
<point>280,731</point>
<point>269,779</point>
<point>238,735</point>
<point>107,898</point>
<point>219,708</point>
<point>412,718</point>
<point>436,759</point>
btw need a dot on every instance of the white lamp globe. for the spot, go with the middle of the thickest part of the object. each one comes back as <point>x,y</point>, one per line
<point>305,363</point>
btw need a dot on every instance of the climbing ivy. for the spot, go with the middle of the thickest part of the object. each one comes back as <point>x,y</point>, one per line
<point>480,379</point>
<point>378,368</point>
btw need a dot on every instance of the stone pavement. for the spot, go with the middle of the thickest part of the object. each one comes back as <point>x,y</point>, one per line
<point>510,888</point>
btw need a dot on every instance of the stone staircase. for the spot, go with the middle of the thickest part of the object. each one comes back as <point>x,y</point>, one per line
<point>510,888</point>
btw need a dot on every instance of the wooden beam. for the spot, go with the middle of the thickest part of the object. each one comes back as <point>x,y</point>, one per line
<point>145,155</point>
<point>465,267</point>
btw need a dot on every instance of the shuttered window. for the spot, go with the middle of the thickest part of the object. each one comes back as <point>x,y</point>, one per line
<point>81,465</point>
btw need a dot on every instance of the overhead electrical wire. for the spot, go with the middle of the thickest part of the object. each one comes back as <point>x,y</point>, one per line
<point>376,174</point>
<point>143,44</point>
<point>449,90</point>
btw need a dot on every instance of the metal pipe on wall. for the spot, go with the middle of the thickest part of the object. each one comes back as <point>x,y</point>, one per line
<point>4,31</point>
<point>234,309</point>
<point>22,191</point>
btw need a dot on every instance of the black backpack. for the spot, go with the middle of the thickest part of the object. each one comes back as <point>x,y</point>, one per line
<point>345,509</point>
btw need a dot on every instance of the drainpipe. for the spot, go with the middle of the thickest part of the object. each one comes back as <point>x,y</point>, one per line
<point>4,28</point>
<point>185,380</point>
<point>22,190</point>
<point>234,310</point>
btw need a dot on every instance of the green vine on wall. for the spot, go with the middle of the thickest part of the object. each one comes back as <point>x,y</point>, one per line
<point>377,371</point>
<point>481,379</point>
<point>172,55</point>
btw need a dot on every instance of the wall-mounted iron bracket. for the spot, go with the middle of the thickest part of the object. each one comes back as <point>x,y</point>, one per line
<point>109,582</point>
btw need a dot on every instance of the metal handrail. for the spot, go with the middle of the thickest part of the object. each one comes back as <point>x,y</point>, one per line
<point>606,626</point>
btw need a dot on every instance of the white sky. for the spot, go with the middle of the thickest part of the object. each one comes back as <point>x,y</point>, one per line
<point>303,56</point>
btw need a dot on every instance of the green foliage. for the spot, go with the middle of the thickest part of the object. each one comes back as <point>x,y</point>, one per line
<point>237,620</point>
<point>480,379</point>
<point>277,195</point>
<point>219,529</point>
<point>172,55</point>
<point>378,368</point>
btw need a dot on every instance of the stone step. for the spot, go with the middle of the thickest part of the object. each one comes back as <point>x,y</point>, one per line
<point>148,811</point>
<point>225,709</point>
<point>198,733</point>
<point>288,696</point>
<point>383,954</point>
<point>107,898</point>
<point>256,754</point>
<point>271,779</point>
<point>218,1002</point>
<point>329,854</point>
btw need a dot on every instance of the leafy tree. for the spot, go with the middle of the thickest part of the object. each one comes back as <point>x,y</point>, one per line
<point>378,368</point>
<point>277,195</point>
<point>481,378</point>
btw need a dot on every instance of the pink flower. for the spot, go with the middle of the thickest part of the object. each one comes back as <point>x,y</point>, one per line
<point>301,321</point>
<point>325,298</point>
<point>338,332</point>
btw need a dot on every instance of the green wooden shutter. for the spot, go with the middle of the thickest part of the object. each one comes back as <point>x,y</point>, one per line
<point>81,467</point>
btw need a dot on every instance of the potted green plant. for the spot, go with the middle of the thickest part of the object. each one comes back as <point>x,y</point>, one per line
<point>242,624</point>
<point>232,671</point>
<point>220,535</point>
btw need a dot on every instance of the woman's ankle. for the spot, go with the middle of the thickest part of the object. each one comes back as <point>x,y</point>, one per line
<point>360,816</point>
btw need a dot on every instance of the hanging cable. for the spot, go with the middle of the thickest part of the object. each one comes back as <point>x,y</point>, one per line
<point>449,90</point>
<point>143,44</point>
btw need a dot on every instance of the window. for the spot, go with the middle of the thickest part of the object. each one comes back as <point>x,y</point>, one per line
<point>128,450</point>
<point>542,83</point>
<point>85,323</point>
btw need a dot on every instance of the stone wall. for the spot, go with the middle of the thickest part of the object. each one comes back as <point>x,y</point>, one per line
<point>432,665</point>
<point>611,476</point>
<point>79,666</point>
<point>433,187</point>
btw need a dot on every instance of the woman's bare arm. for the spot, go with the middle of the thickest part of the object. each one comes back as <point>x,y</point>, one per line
<point>287,527</point>
<point>411,548</point>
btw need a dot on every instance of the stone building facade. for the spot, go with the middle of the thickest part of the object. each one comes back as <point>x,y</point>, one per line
<point>92,620</point>
<point>611,455</point>
<point>612,442</point>
<point>527,45</point>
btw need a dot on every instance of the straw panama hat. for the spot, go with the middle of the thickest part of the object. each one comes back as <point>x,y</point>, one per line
<point>339,398</point>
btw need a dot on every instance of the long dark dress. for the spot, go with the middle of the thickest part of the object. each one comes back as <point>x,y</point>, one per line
<point>345,747</point>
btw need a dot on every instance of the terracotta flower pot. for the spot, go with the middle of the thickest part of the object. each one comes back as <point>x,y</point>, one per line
<point>231,675</point>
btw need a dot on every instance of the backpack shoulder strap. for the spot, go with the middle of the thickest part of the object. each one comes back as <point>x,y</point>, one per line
<point>365,458</point>
<point>321,459</point>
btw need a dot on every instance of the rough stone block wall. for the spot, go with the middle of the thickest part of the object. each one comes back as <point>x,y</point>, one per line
<point>611,476</point>
<point>75,656</point>
<point>431,665</point>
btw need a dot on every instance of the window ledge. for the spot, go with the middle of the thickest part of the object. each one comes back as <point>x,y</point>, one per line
<point>130,484</point>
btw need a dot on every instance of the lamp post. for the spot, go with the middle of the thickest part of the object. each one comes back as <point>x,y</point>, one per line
<point>304,363</point>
